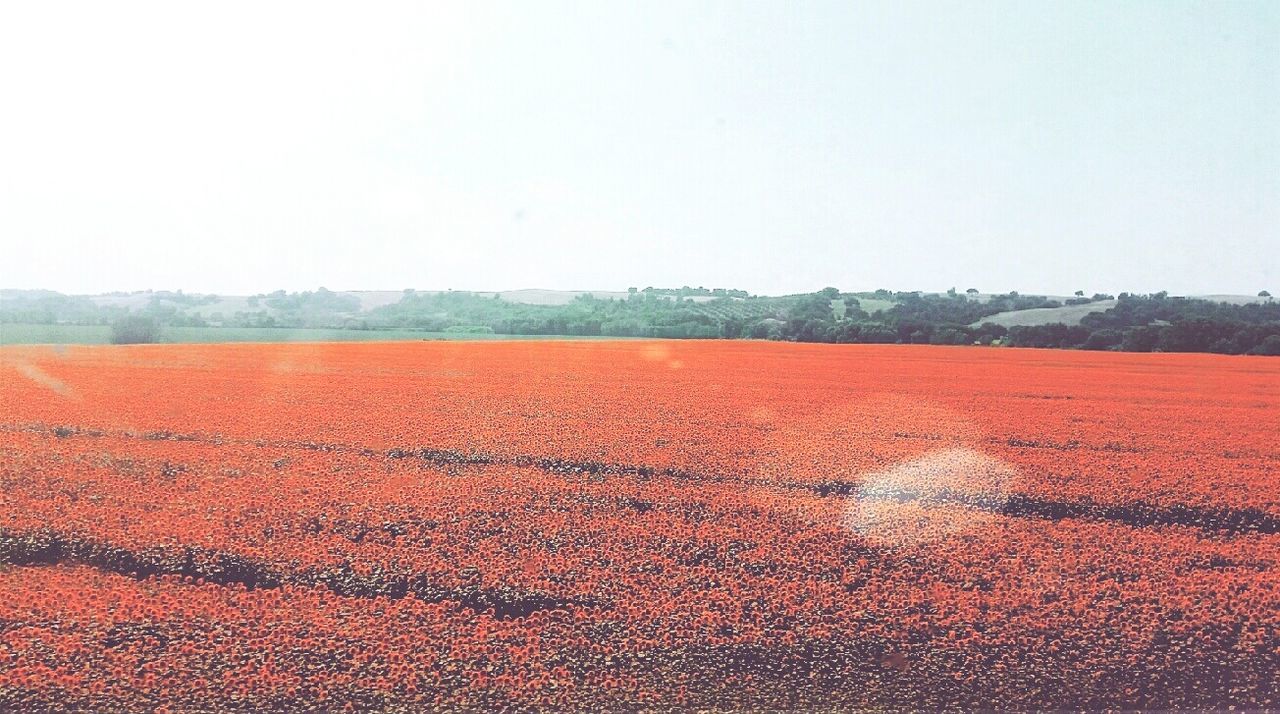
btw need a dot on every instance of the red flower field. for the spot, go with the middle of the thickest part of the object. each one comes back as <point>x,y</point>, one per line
<point>633,524</point>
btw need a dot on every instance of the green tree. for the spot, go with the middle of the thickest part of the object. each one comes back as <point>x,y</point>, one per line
<point>816,306</point>
<point>134,329</point>
<point>1269,346</point>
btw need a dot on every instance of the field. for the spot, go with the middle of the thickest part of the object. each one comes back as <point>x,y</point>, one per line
<point>1067,315</point>
<point>27,334</point>
<point>604,525</point>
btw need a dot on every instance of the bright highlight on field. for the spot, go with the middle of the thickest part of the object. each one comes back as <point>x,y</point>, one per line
<point>605,525</point>
<point>877,509</point>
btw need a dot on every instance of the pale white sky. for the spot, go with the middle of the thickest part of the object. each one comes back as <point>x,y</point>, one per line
<point>775,147</point>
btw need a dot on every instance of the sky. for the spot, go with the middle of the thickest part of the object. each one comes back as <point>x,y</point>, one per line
<point>775,147</point>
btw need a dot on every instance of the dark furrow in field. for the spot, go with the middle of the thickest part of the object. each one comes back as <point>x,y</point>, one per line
<point>815,674</point>
<point>53,548</point>
<point>1137,514</point>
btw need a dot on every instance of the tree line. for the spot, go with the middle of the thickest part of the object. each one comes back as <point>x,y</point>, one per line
<point>1131,322</point>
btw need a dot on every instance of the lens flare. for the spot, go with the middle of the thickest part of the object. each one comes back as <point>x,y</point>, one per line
<point>944,493</point>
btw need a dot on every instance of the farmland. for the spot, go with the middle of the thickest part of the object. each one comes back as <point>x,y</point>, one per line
<point>607,524</point>
<point>1067,315</point>
<point>1131,323</point>
<point>26,334</point>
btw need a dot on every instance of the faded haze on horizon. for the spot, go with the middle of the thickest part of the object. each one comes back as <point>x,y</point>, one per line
<point>242,147</point>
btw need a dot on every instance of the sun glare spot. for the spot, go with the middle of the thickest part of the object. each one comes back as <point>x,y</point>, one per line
<point>944,493</point>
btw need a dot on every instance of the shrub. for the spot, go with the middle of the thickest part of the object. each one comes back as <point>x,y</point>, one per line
<point>1269,346</point>
<point>134,329</point>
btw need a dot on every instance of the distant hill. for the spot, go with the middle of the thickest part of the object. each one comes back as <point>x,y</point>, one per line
<point>1067,315</point>
<point>1073,314</point>
<point>373,299</point>
<point>1232,324</point>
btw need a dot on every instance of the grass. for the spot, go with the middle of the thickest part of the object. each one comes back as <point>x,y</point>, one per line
<point>870,305</point>
<point>23,334</point>
<point>1067,314</point>
<point>26,334</point>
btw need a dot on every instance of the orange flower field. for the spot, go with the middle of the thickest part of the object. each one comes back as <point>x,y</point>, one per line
<point>636,524</point>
